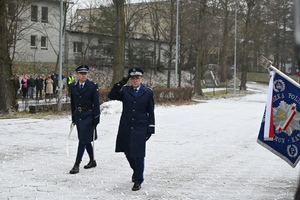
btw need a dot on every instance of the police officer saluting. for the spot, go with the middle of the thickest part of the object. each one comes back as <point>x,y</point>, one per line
<point>136,123</point>
<point>85,108</point>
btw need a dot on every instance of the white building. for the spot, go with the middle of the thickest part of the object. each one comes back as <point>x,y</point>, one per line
<point>37,36</point>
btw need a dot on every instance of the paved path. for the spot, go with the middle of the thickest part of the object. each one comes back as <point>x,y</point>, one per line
<point>204,151</point>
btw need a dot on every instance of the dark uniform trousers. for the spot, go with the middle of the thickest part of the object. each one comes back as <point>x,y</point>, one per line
<point>80,151</point>
<point>137,165</point>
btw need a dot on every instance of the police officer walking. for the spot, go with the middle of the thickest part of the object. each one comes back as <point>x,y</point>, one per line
<point>85,108</point>
<point>136,123</point>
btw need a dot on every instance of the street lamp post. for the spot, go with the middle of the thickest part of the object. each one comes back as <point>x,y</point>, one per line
<point>176,61</point>
<point>297,30</point>
<point>60,58</point>
<point>234,67</point>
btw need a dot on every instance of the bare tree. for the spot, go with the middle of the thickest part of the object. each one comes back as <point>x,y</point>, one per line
<point>16,27</point>
<point>148,18</point>
<point>202,14</point>
<point>247,40</point>
<point>7,101</point>
<point>225,7</point>
<point>171,40</point>
<point>281,20</point>
<point>205,37</point>
<point>120,41</point>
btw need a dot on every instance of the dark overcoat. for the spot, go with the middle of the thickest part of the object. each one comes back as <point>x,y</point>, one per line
<point>39,82</point>
<point>85,106</point>
<point>137,119</point>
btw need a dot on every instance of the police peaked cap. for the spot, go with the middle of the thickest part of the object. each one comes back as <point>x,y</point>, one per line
<point>135,71</point>
<point>82,68</point>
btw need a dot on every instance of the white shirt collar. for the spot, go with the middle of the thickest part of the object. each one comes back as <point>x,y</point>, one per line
<point>137,88</point>
<point>82,83</point>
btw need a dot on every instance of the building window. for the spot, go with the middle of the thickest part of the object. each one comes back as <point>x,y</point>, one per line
<point>107,50</point>
<point>91,52</point>
<point>77,47</point>
<point>45,14</point>
<point>33,41</point>
<point>11,9</point>
<point>34,13</point>
<point>44,42</point>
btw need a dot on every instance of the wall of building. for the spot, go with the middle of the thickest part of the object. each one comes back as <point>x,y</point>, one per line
<point>46,33</point>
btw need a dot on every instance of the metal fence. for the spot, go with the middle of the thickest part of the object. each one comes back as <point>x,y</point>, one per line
<point>35,105</point>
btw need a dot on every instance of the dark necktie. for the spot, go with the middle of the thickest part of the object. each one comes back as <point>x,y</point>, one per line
<point>135,92</point>
<point>81,86</point>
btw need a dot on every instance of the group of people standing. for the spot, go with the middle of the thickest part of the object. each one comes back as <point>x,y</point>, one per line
<point>136,122</point>
<point>27,86</point>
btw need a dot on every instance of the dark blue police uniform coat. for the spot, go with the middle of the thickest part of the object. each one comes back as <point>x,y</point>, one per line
<point>85,106</point>
<point>136,121</point>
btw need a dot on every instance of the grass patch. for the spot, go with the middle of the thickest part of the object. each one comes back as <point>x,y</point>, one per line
<point>39,115</point>
<point>262,77</point>
<point>219,92</point>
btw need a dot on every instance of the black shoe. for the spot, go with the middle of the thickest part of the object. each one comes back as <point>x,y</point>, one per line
<point>136,187</point>
<point>91,164</point>
<point>75,169</point>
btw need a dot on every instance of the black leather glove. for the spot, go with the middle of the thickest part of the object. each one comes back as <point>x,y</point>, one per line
<point>148,136</point>
<point>123,81</point>
<point>73,119</point>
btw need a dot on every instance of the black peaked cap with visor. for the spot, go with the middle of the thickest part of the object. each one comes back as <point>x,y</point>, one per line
<point>135,71</point>
<point>82,68</point>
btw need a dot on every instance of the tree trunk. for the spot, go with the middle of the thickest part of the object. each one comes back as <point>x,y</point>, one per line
<point>245,49</point>
<point>171,42</point>
<point>224,52</point>
<point>7,100</point>
<point>199,59</point>
<point>118,68</point>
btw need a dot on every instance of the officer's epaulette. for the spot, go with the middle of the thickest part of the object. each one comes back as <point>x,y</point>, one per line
<point>148,88</point>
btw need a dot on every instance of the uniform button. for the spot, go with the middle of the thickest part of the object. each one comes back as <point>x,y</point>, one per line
<point>131,127</point>
<point>133,110</point>
<point>132,119</point>
<point>134,102</point>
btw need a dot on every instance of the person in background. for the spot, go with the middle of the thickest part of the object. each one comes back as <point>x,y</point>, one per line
<point>136,123</point>
<point>24,86</point>
<point>55,84</point>
<point>39,83</point>
<point>16,85</point>
<point>45,83</point>
<point>49,87</point>
<point>85,107</point>
<point>31,86</point>
<point>70,80</point>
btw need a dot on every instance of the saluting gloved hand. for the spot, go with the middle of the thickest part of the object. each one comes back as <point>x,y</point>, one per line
<point>148,136</point>
<point>150,132</point>
<point>123,81</point>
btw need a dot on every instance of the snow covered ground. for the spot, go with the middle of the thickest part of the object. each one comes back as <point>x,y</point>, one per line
<point>202,151</point>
